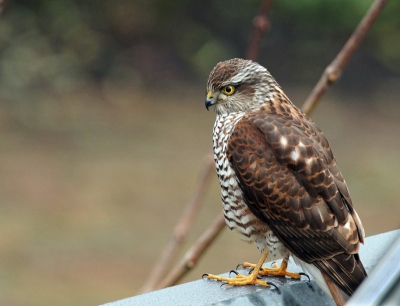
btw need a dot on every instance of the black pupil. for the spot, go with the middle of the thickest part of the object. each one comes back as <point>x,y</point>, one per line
<point>228,89</point>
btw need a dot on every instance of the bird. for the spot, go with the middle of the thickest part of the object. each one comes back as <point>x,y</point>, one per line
<point>280,183</point>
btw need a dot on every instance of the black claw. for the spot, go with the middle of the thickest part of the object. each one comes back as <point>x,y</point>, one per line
<point>241,264</point>
<point>223,284</point>
<point>234,272</point>
<point>276,287</point>
<point>205,274</point>
<point>272,263</point>
<point>306,275</point>
<point>251,270</point>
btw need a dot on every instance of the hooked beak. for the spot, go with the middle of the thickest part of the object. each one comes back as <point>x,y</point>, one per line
<point>210,101</point>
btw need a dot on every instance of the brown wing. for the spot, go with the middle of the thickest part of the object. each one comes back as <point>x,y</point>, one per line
<point>291,181</point>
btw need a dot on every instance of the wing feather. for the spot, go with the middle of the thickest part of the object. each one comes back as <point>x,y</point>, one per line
<point>291,181</point>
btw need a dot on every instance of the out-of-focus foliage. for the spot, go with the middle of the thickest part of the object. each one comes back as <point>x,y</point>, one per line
<point>62,44</point>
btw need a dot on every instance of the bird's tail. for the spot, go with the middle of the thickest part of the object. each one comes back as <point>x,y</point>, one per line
<point>338,276</point>
<point>343,274</point>
<point>345,270</point>
<point>338,294</point>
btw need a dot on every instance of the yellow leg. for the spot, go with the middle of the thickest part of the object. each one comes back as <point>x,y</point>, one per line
<point>241,280</point>
<point>275,271</point>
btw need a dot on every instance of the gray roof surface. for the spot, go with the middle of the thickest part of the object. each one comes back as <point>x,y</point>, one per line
<point>291,292</point>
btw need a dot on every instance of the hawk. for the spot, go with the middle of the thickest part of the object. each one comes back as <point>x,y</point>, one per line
<point>280,184</point>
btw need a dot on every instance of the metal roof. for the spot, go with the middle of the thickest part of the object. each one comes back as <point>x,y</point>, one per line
<point>291,292</point>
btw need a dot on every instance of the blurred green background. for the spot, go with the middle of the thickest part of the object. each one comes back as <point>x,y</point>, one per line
<point>103,130</point>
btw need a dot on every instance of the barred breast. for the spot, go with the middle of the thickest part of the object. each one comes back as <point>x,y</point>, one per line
<point>237,214</point>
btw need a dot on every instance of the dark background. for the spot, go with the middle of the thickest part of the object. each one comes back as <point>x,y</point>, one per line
<point>103,130</point>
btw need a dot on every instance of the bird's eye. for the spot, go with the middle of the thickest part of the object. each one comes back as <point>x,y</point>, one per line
<point>228,90</point>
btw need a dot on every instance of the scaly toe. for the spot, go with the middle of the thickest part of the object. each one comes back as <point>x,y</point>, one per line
<point>239,280</point>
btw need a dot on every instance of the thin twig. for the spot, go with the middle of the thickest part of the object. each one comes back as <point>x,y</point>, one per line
<point>181,229</point>
<point>261,25</point>
<point>334,70</point>
<point>195,252</point>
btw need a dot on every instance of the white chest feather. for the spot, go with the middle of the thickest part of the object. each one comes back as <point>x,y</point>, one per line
<point>237,214</point>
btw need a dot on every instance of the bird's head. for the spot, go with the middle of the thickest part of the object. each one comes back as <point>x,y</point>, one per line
<point>238,85</point>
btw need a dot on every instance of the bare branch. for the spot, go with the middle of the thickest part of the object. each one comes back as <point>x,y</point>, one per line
<point>334,70</point>
<point>261,25</point>
<point>195,252</point>
<point>181,229</point>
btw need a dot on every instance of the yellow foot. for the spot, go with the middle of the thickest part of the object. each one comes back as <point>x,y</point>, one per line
<point>275,271</point>
<point>239,280</point>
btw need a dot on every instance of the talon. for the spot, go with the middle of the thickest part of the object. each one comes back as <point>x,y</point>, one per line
<point>276,287</point>
<point>241,264</point>
<point>205,274</point>
<point>234,272</point>
<point>241,280</point>
<point>279,271</point>
<point>306,275</point>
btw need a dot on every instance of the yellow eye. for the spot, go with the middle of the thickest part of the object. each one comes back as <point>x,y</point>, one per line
<point>228,90</point>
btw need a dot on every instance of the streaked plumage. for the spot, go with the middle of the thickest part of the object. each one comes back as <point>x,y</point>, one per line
<point>280,184</point>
